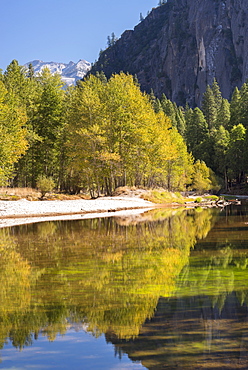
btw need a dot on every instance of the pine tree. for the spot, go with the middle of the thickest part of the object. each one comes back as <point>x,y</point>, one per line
<point>180,120</point>
<point>102,76</point>
<point>243,105</point>
<point>234,109</point>
<point>169,109</point>
<point>223,114</point>
<point>217,94</point>
<point>14,79</point>
<point>221,145</point>
<point>30,73</point>
<point>196,131</point>
<point>209,107</point>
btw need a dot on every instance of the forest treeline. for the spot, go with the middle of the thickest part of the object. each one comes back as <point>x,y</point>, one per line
<point>101,134</point>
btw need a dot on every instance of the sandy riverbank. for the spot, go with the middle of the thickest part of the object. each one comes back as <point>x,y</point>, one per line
<point>24,211</point>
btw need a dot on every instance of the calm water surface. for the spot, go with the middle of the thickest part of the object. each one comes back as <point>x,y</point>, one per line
<point>165,290</point>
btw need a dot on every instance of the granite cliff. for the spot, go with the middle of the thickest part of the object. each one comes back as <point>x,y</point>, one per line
<point>181,46</point>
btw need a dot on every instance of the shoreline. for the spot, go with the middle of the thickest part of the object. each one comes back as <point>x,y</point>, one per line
<point>22,211</point>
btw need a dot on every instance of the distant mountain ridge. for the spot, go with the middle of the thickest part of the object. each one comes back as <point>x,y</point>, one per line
<point>70,72</point>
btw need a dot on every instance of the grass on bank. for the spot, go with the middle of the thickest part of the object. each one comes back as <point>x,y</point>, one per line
<point>34,194</point>
<point>158,196</point>
<point>162,196</point>
<point>166,197</point>
<point>18,193</point>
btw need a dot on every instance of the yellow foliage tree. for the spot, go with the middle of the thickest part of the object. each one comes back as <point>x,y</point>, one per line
<point>201,181</point>
<point>117,139</point>
<point>13,142</point>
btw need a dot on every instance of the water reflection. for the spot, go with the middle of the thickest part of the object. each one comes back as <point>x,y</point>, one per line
<point>205,323</point>
<point>189,333</point>
<point>109,276</point>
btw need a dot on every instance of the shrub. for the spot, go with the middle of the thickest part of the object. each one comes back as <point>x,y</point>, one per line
<point>45,185</point>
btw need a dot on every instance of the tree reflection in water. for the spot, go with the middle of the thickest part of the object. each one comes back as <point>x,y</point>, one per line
<point>110,274</point>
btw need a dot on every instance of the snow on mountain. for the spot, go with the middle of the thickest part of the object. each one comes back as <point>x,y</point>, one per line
<point>70,72</point>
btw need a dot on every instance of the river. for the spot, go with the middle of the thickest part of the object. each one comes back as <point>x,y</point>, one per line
<point>167,289</point>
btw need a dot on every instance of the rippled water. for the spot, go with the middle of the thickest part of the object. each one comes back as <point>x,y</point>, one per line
<point>165,290</point>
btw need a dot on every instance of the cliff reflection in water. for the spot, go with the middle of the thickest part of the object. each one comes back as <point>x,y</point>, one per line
<point>105,273</point>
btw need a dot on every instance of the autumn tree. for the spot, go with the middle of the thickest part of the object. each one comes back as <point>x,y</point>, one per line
<point>201,179</point>
<point>117,138</point>
<point>13,134</point>
<point>86,139</point>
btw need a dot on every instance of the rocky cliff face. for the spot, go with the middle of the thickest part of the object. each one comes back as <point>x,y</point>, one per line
<point>181,46</point>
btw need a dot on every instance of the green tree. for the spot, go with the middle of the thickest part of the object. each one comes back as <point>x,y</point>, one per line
<point>243,106</point>
<point>221,145</point>
<point>180,120</point>
<point>208,107</point>
<point>15,81</point>
<point>111,40</point>
<point>217,94</point>
<point>235,153</point>
<point>24,169</point>
<point>48,124</point>
<point>169,109</point>
<point>234,109</point>
<point>223,114</point>
<point>196,132</point>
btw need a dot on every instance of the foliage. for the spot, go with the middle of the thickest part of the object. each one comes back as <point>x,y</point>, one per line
<point>13,134</point>
<point>113,123</point>
<point>111,40</point>
<point>45,184</point>
<point>211,197</point>
<point>217,135</point>
<point>162,196</point>
<point>102,134</point>
<point>201,177</point>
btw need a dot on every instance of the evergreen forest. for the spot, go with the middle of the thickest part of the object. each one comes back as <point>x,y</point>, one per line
<point>102,134</point>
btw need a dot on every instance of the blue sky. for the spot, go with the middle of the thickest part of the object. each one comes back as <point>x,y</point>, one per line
<point>63,30</point>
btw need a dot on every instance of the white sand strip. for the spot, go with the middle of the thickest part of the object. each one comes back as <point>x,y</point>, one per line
<point>24,211</point>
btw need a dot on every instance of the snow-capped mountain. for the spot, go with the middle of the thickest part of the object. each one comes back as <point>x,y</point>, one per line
<point>70,72</point>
